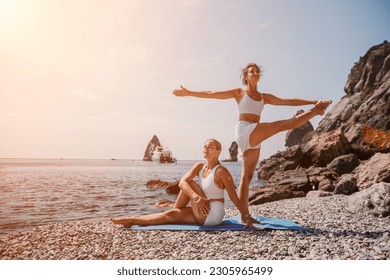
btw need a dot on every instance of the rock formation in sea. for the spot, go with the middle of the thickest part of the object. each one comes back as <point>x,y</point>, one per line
<point>233,152</point>
<point>350,149</point>
<point>153,143</point>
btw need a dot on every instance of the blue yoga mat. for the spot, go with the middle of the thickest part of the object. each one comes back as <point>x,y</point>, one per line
<point>232,223</point>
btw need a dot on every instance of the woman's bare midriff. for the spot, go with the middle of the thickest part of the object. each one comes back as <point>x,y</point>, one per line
<point>252,118</point>
<point>217,199</point>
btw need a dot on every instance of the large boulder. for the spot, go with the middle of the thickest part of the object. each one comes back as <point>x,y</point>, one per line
<point>153,143</point>
<point>344,164</point>
<point>326,185</point>
<point>296,180</point>
<point>283,185</point>
<point>282,161</point>
<point>269,166</point>
<point>366,141</point>
<point>375,199</point>
<point>265,195</point>
<point>295,136</point>
<point>321,178</point>
<point>322,148</point>
<point>374,170</point>
<point>346,185</point>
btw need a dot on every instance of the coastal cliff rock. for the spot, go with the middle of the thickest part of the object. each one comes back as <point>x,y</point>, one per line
<point>153,143</point>
<point>365,141</point>
<point>367,99</point>
<point>350,149</point>
<point>295,136</point>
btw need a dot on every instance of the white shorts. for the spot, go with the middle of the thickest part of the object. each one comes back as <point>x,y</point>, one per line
<point>216,214</point>
<point>243,132</point>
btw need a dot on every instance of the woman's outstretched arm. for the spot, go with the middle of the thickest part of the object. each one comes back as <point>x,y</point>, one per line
<point>233,93</point>
<point>227,180</point>
<point>274,100</point>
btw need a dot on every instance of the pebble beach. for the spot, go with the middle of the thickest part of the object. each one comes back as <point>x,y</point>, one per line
<point>334,234</point>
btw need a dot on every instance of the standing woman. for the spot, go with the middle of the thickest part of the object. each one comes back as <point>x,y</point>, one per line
<point>250,133</point>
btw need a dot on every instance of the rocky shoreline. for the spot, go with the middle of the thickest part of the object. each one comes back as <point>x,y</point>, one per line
<point>334,234</point>
<point>349,152</point>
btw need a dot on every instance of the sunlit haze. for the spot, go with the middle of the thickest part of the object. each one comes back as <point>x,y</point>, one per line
<point>94,79</point>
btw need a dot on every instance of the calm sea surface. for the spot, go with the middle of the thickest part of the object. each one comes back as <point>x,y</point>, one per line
<point>42,191</point>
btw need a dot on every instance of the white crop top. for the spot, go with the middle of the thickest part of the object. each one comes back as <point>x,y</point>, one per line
<point>249,106</point>
<point>208,185</point>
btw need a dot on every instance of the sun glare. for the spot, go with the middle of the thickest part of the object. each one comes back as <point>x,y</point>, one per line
<point>9,8</point>
<point>12,17</point>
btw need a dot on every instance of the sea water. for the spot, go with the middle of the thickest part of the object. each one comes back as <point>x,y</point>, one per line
<point>36,192</point>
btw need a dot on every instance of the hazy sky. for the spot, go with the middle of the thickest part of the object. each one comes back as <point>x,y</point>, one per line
<point>94,79</point>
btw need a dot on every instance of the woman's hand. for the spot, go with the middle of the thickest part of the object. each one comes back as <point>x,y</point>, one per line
<point>248,222</point>
<point>181,92</point>
<point>323,105</point>
<point>203,205</point>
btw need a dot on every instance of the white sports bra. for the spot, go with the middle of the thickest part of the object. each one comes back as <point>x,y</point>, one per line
<point>208,185</point>
<point>249,106</point>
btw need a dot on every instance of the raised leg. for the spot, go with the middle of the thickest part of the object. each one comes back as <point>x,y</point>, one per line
<point>264,131</point>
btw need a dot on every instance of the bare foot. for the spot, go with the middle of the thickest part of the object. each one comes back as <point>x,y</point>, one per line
<point>126,222</point>
<point>321,106</point>
<point>254,221</point>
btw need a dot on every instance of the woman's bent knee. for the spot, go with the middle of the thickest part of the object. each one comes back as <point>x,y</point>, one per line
<point>172,214</point>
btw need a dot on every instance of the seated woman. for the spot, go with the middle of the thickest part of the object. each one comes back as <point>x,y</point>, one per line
<point>207,198</point>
